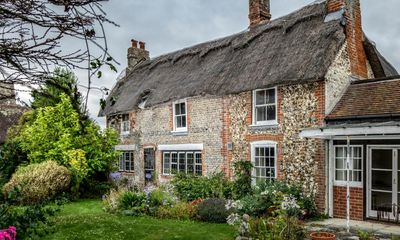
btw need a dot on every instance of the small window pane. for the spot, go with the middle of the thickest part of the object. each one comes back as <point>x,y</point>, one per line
<point>271,113</point>
<point>261,114</point>
<point>340,163</point>
<point>183,109</point>
<point>183,120</point>
<point>340,152</point>
<point>167,163</point>
<point>340,176</point>
<point>260,97</point>
<point>270,96</point>
<point>177,109</point>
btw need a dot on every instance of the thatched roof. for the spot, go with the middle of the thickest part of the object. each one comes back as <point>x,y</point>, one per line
<point>376,98</point>
<point>296,48</point>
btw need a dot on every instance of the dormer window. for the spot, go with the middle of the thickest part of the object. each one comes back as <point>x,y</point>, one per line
<point>264,107</point>
<point>180,116</point>
<point>125,125</point>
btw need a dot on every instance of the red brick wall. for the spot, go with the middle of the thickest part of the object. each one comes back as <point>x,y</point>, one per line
<point>356,202</point>
<point>354,35</point>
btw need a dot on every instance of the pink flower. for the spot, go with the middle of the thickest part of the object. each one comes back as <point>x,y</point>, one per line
<point>8,234</point>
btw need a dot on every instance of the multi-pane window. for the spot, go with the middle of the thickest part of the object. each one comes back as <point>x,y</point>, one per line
<point>264,161</point>
<point>264,107</point>
<point>355,164</point>
<point>180,116</point>
<point>125,125</point>
<point>182,161</point>
<point>126,163</point>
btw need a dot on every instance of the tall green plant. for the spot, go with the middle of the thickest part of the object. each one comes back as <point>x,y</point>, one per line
<point>58,134</point>
<point>242,184</point>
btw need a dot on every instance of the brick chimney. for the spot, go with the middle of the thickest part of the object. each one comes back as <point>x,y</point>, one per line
<point>259,12</point>
<point>354,34</point>
<point>137,55</point>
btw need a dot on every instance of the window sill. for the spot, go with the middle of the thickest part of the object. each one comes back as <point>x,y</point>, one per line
<point>124,134</point>
<point>179,133</point>
<point>127,172</point>
<point>271,126</point>
<point>351,184</point>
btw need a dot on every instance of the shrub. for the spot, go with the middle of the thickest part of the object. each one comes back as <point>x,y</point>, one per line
<point>242,185</point>
<point>11,156</point>
<point>111,200</point>
<point>189,187</point>
<point>180,211</point>
<point>32,222</point>
<point>159,198</point>
<point>39,182</point>
<point>133,203</point>
<point>213,210</point>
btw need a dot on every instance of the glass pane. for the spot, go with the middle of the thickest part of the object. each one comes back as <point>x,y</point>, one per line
<point>257,162</point>
<point>178,122</point>
<point>270,96</point>
<point>190,162</point>
<point>177,109</point>
<point>272,152</point>
<point>183,121</point>
<point>260,97</point>
<point>174,157</point>
<point>183,109</point>
<point>357,152</point>
<point>357,176</point>
<point>382,159</point>
<point>357,164</point>
<point>340,163</point>
<point>262,152</point>
<point>382,180</point>
<point>272,173</point>
<point>198,158</point>
<point>340,152</point>
<point>199,170</point>
<point>258,172</point>
<point>182,162</point>
<point>271,113</point>
<point>340,175</point>
<point>261,113</point>
<point>381,201</point>
<point>166,163</point>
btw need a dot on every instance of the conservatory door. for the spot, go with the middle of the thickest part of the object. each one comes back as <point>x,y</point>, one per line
<point>383,188</point>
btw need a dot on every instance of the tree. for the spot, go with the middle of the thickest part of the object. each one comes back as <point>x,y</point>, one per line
<point>56,134</point>
<point>61,81</point>
<point>33,35</point>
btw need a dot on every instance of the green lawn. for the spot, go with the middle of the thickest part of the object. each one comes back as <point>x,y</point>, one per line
<point>86,220</point>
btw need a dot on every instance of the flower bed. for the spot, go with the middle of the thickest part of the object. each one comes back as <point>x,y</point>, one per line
<point>8,234</point>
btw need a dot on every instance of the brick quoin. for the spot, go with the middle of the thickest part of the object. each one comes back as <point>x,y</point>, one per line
<point>356,203</point>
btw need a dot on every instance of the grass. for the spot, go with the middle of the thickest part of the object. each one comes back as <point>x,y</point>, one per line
<point>86,220</point>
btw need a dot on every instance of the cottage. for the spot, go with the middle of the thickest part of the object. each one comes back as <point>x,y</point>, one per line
<point>248,97</point>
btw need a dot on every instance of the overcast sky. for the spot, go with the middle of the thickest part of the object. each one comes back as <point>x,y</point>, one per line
<point>169,25</point>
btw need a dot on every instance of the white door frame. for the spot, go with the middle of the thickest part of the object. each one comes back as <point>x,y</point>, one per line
<point>395,149</point>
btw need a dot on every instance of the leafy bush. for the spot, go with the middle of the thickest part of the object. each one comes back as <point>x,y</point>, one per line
<point>159,198</point>
<point>133,203</point>
<point>180,211</point>
<point>39,182</point>
<point>242,185</point>
<point>267,199</point>
<point>11,156</point>
<point>279,228</point>
<point>189,187</point>
<point>213,210</point>
<point>31,222</point>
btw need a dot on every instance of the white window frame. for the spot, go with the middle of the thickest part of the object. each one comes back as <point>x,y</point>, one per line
<point>340,183</point>
<point>254,115</point>
<point>195,154</point>
<point>123,160</point>
<point>181,129</point>
<point>268,144</point>
<point>123,124</point>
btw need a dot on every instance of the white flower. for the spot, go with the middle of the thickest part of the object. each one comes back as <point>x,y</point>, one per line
<point>289,202</point>
<point>233,219</point>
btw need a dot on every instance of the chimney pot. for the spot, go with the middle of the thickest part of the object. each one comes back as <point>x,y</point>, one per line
<point>134,43</point>
<point>137,55</point>
<point>142,45</point>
